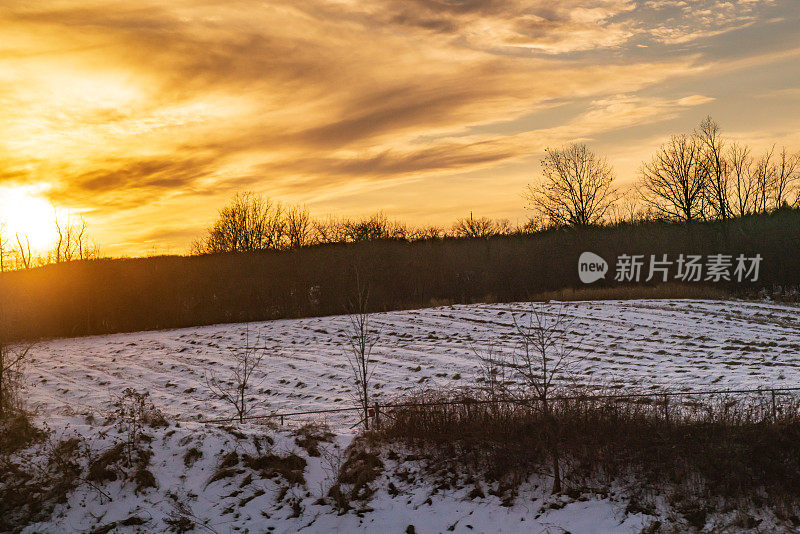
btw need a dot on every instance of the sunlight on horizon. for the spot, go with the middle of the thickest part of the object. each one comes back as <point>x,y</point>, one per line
<point>150,116</point>
<point>25,213</point>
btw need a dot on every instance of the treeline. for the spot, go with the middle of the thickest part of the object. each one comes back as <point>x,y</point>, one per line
<point>700,195</point>
<point>252,222</point>
<point>105,295</point>
<point>696,176</point>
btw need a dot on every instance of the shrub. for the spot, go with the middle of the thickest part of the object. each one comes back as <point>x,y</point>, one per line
<point>360,468</point>
<point>310,435</point>
<point>16,432</point>
<point>721,447</point>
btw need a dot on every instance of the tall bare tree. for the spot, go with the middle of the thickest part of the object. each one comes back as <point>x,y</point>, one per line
<point>298,226</point>
<point>72,242</point>
<point>674,183</point>
<point>24,252</point>
<point>764,173</point>
<point>743,187</point>
<point>577,189</point>
<point>542,356</point>
<point>540,359</point>
<point>786,175</point>
<point>712,153</point>
<point>361,338</point>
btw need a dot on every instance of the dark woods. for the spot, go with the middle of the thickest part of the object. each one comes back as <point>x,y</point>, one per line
<point>700,194</point>
<point>105,295</point>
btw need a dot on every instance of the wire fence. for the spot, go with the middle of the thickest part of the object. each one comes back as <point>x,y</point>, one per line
<point>771,406</point>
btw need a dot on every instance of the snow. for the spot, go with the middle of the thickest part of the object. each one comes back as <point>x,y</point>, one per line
<point>671,343</point>
<point>680,344</point>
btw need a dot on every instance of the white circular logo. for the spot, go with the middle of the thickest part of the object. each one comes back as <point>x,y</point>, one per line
<point>591,267</point>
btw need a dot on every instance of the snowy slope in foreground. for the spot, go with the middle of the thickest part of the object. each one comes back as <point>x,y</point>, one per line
<point>680,344</point>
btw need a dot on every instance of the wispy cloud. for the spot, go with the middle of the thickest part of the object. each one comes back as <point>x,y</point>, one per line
<point>116,105</point>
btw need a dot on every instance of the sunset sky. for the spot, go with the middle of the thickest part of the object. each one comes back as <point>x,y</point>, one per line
<point>145,117</point>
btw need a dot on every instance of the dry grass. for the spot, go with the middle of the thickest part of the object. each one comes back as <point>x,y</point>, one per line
<point>704,454</point>
<point>661,291</point>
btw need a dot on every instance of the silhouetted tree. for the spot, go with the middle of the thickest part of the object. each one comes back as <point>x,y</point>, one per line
<point>427,232</point>
<point>24,252</point>
<point>743,195</point>
<point>373,228</point>
<point>250,222</point>
<point>72,242</point>
<point>481,227</point>
<point>330,230</point>
<point>785,177</point>
<point>764,173</point>
<point>3,247</point>
<point>717,167</point>
<point>298,226</point>
<point>674,183</point>
<point>577,189</point>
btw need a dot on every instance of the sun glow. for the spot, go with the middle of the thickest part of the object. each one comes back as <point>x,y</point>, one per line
<point>25,213</point>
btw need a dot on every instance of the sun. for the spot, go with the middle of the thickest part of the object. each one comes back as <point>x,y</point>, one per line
<point>25,213</point>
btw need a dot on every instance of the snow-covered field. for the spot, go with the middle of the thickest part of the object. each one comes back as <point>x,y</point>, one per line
<point>673,343</point>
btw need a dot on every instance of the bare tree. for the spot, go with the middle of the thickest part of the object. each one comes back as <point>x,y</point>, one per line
<point>785,177</point>
<point>24,252</point>
<point>372,228</point>
<point>471,227</point>
<point>427,232</point>
<point>542,356</point>
<point>742,197</point>
<point>361,340</point>
<point>712,148</point>
<point>674,183</point>
<point>60,241</point>
<point>3,247</point>
<point>72,242</point>
<point>492,369</point>
<point>298,226</point>
<point>629,210</point>
<point>330,230</point>
<point>577,189</point>
<point>236,390</point>
<point>764,173</point>
<point>250,222</point>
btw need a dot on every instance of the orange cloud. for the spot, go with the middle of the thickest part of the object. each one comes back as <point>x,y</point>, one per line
<point>146,118</point>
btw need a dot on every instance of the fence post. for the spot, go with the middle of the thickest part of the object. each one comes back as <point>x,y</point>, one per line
<point>281,420</point>
<point>377,416</point>
<point>666,408</point>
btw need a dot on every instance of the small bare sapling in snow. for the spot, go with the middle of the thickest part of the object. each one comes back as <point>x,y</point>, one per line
<point>236,390</point>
